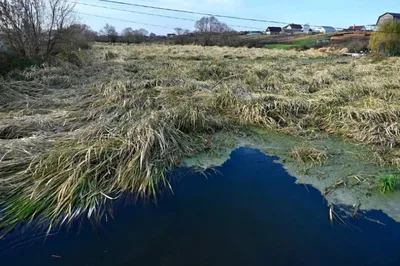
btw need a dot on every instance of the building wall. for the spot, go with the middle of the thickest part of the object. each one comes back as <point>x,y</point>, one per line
<point>271,33</point>
<point>294,30</point>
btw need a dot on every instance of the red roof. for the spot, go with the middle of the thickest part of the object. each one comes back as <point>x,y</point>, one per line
<point>357,28</point>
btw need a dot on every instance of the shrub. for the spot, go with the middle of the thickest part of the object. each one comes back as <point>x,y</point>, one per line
<point>388,183</point>
<point>387,39</point>
<point>10,61</point>
<point>357,45</point>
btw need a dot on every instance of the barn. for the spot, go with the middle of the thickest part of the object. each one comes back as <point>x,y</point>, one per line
<point>387,17</point>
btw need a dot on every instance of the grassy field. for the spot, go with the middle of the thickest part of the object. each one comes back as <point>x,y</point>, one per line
<point>296,43</point>
<point>73,138</point>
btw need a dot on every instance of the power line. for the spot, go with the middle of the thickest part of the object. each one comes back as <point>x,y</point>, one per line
<point>193,12</point>
<point>154,25</point>
<point>204,14</point>
<point>132,11</point>
<point>124,20</point>
<point>213,15</point>
<point>156,15</point>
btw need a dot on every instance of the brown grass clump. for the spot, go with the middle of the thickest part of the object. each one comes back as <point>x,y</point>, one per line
<point>305,154</point>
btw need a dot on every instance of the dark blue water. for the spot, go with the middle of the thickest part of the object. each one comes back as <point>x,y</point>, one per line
<point>250,212</point>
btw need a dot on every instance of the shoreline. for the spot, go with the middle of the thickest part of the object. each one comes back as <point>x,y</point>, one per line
<point>354,191</point>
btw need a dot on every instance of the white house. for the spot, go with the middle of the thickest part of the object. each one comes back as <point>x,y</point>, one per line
<point>292,28</point>
<point>308,30</point>
<point>326,29</point>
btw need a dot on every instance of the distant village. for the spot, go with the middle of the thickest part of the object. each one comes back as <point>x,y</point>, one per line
<point>293,28</point>
<point>307,29</point>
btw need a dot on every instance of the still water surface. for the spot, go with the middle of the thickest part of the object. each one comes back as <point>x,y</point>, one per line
<point>248,212</point>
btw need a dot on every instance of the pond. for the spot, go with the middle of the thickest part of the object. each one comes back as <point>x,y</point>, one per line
<point>249,211</point>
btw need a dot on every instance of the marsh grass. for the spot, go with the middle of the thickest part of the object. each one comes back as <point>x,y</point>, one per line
<point>388,183</point>
<point>311,154</point>
<point>73,139</point>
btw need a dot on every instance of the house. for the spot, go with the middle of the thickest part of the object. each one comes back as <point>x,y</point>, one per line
<point>357,28</point>
<point>307,29</point>
<point>387,17</point>
<point>326,29</point>
<point>292,28</point>
<point>310,32</point>
<point>273,30</point>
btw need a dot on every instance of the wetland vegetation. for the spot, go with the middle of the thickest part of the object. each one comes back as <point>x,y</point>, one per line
<point>115,119</point>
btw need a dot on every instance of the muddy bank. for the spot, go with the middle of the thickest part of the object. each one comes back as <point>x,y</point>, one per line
<point>346,178</point>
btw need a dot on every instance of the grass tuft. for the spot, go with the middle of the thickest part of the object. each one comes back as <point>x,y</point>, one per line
<point>305,154</point>
<point>388,183</point>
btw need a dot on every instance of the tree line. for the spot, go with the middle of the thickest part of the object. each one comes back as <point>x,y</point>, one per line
<point>205,26</point>
<point>39,29</point>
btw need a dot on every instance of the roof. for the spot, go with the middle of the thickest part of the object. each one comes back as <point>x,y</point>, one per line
<point>294,26</point>
<point>395,15</point>
<point>356,28</point>
<point>328,28</point>
<point>274,29</point>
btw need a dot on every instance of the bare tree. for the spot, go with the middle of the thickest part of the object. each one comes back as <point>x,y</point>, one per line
<point>211,25</point>
<point>110,31</point>
<point>128,34</point>
<point>142,32</point>
<point>61,15</point>
<point>32,28</point>
<point>179,31</point>
<point>134,36</point>
<point>140,35</point>
<point>152,35</point>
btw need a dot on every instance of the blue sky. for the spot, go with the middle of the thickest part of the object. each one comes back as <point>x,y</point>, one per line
<point>339,13</point>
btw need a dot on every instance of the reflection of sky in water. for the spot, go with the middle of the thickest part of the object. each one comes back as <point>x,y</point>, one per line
<point>248,212</point>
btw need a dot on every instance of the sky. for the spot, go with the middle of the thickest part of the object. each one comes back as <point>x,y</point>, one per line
<point>338,13</point>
